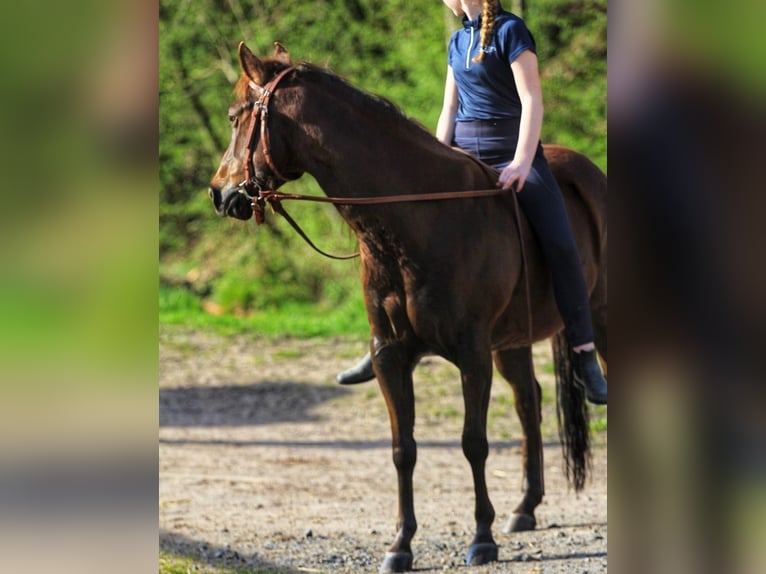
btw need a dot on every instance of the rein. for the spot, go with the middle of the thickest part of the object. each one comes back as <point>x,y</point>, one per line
<point>275,198</point>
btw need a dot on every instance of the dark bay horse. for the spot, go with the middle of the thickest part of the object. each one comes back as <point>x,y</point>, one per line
<point>439,277</point>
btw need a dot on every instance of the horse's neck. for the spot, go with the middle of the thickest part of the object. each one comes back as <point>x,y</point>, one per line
<point>355,147</point>
<point>366,152</point>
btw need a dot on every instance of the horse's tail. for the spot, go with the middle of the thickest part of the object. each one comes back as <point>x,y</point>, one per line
<point>572,414</point>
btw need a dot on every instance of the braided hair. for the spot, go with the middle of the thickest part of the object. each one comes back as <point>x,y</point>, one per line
<point>488,14</point>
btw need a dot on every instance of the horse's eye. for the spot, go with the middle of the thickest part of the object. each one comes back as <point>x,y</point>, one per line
<point>232,119</point>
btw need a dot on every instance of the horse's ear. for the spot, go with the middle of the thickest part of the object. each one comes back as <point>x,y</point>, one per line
<point>281,53</point>
<point>251,66</point>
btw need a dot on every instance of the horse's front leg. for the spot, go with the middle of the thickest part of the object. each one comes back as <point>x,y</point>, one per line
<point>476,376</point>
<point>516,367</point>
<point>393,368</point>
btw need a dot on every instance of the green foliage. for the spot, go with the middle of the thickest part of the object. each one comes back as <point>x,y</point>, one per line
<point>395,48</point>
<point>598,421</point>
<point>571,44</point>
<point>179,305</point>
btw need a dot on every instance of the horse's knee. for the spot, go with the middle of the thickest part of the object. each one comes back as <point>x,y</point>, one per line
<point>475,446</point>
<point>405,454</point>
<point>528,399</point>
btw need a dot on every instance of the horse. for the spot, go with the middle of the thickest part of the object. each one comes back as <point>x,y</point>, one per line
<point>447,277</point>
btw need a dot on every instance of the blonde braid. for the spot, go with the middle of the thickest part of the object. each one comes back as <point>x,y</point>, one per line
<point>488,14</point>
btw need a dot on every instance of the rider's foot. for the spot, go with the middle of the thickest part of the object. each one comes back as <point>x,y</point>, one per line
<point>588,374</point>
<point>359,373</point>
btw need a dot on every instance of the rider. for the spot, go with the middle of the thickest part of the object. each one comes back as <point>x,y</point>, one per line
<point>493,109</point>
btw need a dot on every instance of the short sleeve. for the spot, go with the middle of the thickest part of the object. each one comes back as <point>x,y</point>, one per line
<point>452,50</point>
<point>514,38</point>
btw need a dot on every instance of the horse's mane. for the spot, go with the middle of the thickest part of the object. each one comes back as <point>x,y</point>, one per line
<point>385,108</point>
<point>361,99</point>
<point>354,94</point>
<point>356,97</point>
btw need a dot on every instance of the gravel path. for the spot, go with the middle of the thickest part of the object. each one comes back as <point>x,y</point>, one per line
<point>266,463</point>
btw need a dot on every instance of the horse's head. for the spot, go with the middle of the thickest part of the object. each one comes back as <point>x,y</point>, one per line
<point>258,157</point>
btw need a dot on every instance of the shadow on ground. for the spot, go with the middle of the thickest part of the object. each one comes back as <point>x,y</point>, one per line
<point>268,402</point>
<point>180,546</point>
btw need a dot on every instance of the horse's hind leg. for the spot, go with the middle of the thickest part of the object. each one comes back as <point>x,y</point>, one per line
<point>515,365</point>
<point>476,377</point>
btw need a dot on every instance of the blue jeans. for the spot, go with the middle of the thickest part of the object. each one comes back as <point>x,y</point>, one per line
<point>494,142</point>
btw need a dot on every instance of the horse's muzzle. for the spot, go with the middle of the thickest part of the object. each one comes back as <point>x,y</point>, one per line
<point>231,202</point>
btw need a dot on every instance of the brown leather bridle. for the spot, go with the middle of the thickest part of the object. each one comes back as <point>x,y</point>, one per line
<point>260,116</point>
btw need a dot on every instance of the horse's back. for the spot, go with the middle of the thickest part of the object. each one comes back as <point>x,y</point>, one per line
<point>582,182</point>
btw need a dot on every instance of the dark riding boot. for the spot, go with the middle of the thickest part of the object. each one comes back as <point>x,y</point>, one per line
<point>359,373</point>
<point>588,374</point>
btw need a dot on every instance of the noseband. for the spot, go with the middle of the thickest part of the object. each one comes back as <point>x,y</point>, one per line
<point>260,115</point>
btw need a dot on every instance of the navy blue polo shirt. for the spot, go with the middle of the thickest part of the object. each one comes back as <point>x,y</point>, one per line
<point>486,90</point>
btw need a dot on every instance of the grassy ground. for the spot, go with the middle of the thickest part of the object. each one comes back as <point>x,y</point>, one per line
<point>178,306</point>
<point>171,564</point>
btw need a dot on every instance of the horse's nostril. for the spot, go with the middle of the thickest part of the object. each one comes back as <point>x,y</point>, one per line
<point>215,196</point>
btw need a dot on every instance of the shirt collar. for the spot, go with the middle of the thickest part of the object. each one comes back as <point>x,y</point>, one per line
<point>475,24</point>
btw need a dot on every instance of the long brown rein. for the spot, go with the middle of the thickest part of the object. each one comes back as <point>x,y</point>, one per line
<point>274,200</point>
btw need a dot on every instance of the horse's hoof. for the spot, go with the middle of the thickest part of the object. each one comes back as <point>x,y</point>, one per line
<point>396,562</point>
<point>483,553</point>
<point>519,523</point>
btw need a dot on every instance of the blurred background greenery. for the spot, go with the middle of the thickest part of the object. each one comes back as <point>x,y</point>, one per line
<point>228,273</point>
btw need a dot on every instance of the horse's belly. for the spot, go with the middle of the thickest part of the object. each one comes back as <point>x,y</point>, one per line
<point>512,328</point>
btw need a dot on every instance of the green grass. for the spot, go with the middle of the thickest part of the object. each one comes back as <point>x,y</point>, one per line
<point>288,354</point>
<point>179,306</point>
<point>598,419</point>
<point>171,564</point>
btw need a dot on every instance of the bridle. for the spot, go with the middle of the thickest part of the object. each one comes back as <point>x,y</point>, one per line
<point>260,116</point>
